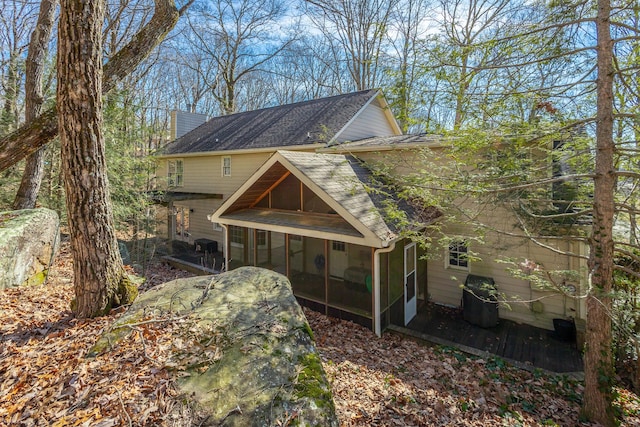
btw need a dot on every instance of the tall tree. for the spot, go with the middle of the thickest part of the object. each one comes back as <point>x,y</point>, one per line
<point>98,269</point>
<point>235,40</point>
<point>17,20</point>
<point>410,28</point>
<point>99,277</point>
<point>359,30</point>
<point>34,98</point>
<point>599,369</point>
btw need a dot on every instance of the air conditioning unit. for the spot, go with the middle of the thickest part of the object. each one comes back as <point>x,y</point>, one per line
<point>206,245</point>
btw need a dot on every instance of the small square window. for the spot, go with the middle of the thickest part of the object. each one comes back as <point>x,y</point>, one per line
<point>226,166</point>
<point>458,255</point>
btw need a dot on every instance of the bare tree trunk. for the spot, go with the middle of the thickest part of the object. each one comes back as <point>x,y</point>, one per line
<point>97,266</point>
<point>9,114</point>
<point>34,98</point>
<point>29,138</point>
<point>598,362</point>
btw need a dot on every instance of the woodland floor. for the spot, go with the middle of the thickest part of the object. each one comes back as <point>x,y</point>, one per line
<point>45,378</point>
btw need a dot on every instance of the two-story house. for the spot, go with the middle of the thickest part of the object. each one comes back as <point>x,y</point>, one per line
<point>288,188</point>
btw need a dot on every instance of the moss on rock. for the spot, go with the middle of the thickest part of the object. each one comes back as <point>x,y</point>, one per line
<point>28,242</point>
<point>311,382</point>
<point>127,290</point>
<point>37,279</point>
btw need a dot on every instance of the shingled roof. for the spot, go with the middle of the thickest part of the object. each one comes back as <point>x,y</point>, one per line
<point>341,177</point>
<point>302,123</point>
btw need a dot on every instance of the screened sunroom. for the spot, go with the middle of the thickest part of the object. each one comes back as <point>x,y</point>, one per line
<point>308,216</point>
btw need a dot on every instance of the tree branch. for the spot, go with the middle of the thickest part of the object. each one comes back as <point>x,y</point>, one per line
<point>30,137</point>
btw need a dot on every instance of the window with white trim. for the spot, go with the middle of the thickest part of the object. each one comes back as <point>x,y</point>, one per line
<point>175,173</point>
<point>226,166</point>
<point>458,255</point>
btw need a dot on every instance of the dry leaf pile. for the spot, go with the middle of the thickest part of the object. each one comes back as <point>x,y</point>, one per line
<point>395,381</point>
<point>45,378</point>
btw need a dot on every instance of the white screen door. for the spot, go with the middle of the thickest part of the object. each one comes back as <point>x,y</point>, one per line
<point>410,283</point>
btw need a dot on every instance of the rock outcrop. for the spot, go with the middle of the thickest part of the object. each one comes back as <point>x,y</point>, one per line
<point>255,363</point>
<point>28,241</point>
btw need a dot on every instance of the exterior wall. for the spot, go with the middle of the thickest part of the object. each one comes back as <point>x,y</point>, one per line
<point>445,283</point>
<point>203,174</point>
<point>372,121</point>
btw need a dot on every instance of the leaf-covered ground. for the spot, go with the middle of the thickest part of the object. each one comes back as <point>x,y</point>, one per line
<point>46,380</point>
<point>395,381</point>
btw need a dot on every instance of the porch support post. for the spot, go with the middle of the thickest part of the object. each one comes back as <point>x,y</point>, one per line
<point>377,327</point>
<point>286,256</point>
<point>326,276</point>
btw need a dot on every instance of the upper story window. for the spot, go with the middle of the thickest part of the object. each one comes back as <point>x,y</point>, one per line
<point>226,166</point>
<point>175,173</point>
<point>458,255</point>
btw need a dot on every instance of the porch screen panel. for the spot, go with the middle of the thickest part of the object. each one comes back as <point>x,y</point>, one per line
<point>396,285</point>
<point>351,290</point>
<point>396,273</point>
<point>384,290</point>
<point>307,262</point>
<point>287,195</point>
<point>275,252</point>
<point>238,249</point>
<point>423,292</point>
<point>312,203</point>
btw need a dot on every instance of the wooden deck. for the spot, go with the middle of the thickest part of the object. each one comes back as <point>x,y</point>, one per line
<point>527,346</point>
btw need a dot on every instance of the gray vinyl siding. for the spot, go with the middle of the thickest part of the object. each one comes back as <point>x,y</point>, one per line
<point>183,122</point>
<point>372,121</point>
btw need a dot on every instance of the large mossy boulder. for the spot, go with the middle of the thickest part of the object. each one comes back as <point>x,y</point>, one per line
<point>254,362</point>
<point>28,242</point>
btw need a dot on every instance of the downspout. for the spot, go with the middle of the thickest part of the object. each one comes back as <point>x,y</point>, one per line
<point>377,328</point>
<point>226,252</point>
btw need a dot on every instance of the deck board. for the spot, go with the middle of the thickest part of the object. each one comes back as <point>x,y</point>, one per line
<point>529,345</point>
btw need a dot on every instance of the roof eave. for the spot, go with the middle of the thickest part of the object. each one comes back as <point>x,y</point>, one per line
<point>302,147</point>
